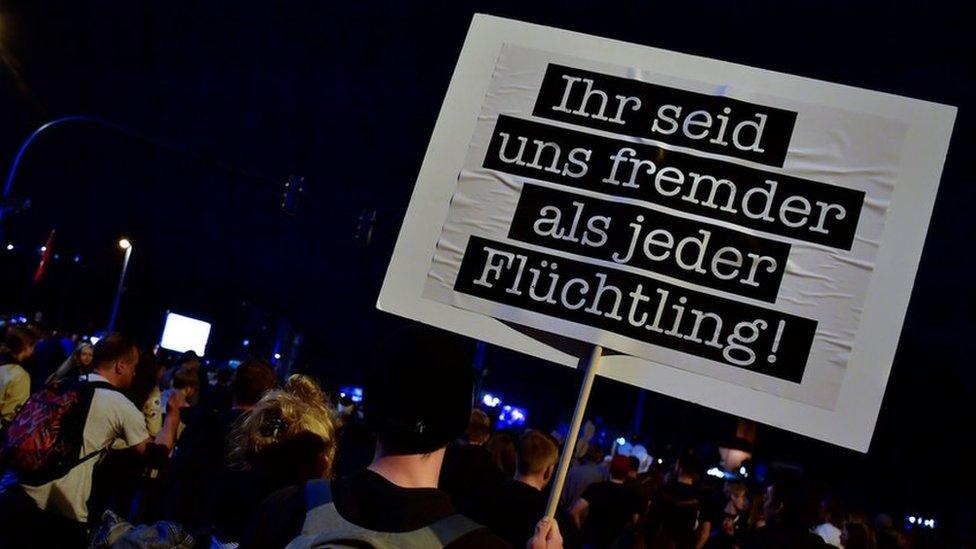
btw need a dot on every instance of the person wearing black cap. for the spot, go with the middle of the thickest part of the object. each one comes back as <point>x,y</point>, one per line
<point>417,400</point>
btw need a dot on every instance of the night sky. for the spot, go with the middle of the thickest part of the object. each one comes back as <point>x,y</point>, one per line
<point>223,101</point>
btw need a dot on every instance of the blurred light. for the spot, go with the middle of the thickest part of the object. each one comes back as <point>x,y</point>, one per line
<point>57,256</point>
<point>621,441</point>
<point>43,249</point>
<point>10,247</point>
<point>490,400</point>
<point>125,244</point>
<point>246,342</point>
<point>930,523</point>
<point>716,472</point>
<point>911,520</point>
<point>660,461</point>
<point>355,394</point>
<point>277,356</point>
<point>94,339</point>
<point>511,417</point>
<point>742,471</point>
<point>77,258</point>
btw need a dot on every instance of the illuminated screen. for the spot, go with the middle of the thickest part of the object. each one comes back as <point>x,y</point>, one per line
<point>183,333</point>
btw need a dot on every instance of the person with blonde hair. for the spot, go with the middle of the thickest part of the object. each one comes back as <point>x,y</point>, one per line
<point>306,388</point>
<point>288,438</point>
<point>78,363</point>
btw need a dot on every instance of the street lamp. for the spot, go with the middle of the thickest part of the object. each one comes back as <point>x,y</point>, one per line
<point>125,245</point>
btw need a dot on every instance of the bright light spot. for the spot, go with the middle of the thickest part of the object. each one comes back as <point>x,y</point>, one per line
<point>77,258</point>
<point>247,342</point>
<point>490,400</point>
<point>660,461</point>
<point>742,470</point>
<point>277,356</point>
<point>911,520</point>
<point>716,472</point>
<point>94,339</point>
<point>621,441</point>
<point>125,244</point>
<point>930,523</point>
<point>43,249</point>
<point>10,247</point>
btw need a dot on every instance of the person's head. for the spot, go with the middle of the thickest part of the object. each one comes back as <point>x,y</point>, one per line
<point>307,389</point>
<point>252,379</point>
<point>148,372</point>
<point>286,438</point>
<point>594,453</point>
<point>619,467</point>
<point>419,391</point>
<point>187,380</point>
<point>19,343</point>
<point>504,453</point>
<point>791,503</point>
<point>738,496</point>
<point>832,511</point>
<point>634,466</point>
<point>688,468</point>
<point>857,535</point>
<point>189,360</point>
<point>479,427</point>
<point>537,456</point>
<point>224,376</point>
<point>115,357</point>
<point>84,355</point>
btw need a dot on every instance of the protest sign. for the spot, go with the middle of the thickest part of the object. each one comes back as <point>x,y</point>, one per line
<point>739,238</point>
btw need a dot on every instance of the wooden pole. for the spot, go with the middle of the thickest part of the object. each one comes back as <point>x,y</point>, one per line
<point>589,365</point>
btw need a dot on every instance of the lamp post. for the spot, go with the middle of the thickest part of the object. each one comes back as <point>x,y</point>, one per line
<point>125,245</point>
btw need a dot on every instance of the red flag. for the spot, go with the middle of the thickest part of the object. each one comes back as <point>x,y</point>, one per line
<point>45,257</point>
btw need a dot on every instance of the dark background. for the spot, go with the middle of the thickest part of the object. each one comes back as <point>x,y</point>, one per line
<point>346,95</point>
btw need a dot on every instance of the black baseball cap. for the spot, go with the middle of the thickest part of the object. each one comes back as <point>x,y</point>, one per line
<point>419,390</point>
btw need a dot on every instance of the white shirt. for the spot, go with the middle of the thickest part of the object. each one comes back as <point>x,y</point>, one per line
<point>829,533</point>
<point>112,417</point>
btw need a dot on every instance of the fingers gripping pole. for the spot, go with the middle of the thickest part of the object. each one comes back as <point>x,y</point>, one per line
<point>588,365</point>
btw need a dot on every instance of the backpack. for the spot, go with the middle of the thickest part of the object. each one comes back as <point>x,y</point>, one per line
<point>325,528</point>
<point>44,440</point>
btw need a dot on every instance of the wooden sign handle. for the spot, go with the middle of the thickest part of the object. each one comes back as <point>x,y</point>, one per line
<point>588,365</point>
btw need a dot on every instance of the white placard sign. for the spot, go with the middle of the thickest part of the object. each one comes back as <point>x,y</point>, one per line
<point>746,240</point>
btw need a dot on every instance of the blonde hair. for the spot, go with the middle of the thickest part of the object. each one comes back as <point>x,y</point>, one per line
<point>284,428</point>
<point>307,389</point>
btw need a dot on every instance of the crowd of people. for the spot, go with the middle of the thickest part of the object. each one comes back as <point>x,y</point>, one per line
<point>116,447</point>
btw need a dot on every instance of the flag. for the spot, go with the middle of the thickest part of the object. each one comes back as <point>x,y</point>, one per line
<point>46,255</point>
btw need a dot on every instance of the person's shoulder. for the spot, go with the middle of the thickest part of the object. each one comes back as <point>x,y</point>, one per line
<point>113,401</point>
<point>15,371</point>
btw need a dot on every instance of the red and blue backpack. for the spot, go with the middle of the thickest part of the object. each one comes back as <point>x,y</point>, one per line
<point>45,439</point>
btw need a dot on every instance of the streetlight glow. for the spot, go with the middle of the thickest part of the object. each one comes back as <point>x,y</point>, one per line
<point>125,244</point>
